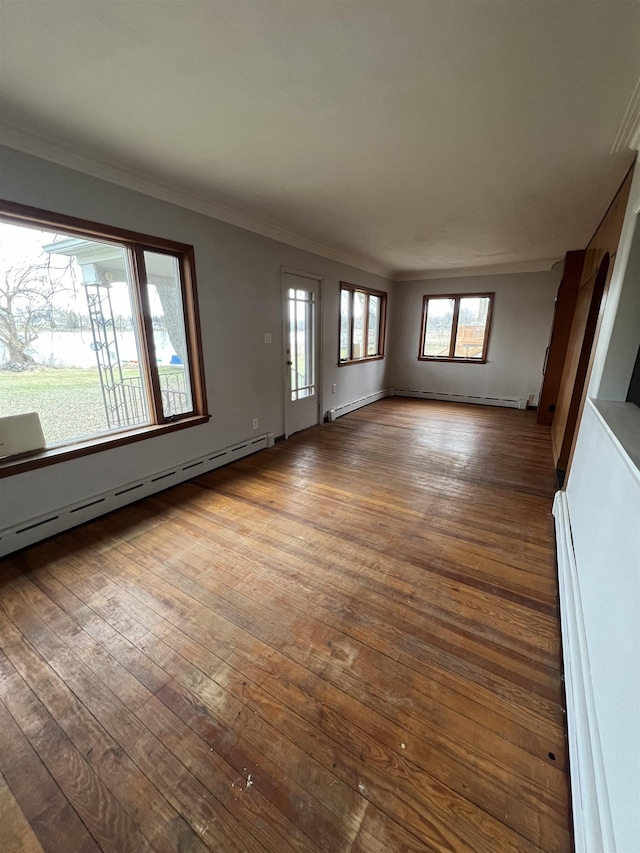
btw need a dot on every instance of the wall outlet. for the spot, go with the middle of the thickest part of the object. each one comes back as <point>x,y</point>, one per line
<point>255,423</point>
<point>333,388</point>
<point>268,338</point>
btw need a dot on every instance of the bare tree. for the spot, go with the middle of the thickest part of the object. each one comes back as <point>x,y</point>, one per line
<point>26,306</point>
<point>171,301</point>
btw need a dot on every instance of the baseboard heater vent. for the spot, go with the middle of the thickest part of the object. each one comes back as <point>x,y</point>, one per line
<point>592,823</point>
<point>33,530</point>
<point>508,402</point>
<point>345,408</point>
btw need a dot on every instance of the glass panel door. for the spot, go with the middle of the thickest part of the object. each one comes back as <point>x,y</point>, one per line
<point>302,340</point>
<point>301,309</point>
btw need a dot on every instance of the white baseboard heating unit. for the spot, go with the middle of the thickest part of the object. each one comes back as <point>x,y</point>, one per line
<point>63,518</point>
<point>592,824</point>
<point>345,408</point>
<point>508,402</point>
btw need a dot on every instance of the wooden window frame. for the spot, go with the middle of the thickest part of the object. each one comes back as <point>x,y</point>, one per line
<point>367,292</point>
<point>456,297</point>
<point>135,244</point>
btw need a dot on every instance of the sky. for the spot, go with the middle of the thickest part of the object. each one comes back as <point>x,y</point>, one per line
<point>21,246</point>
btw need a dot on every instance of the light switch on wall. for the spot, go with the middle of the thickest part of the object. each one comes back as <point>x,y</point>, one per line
<point>268,338</point>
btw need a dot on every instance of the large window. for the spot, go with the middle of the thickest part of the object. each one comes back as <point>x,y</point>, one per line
<point>98,331</point>
<point>456,328</point>
<point>362,323</point>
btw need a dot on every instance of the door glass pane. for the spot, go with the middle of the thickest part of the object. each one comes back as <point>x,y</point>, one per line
<point>309,361</point>
<point>472,323</point>
<point>293,344</point>
<point>358,324</point>
<point>344,324</point>
<point>169,338</point>
<point>437,338</point>
<point>301,344</point>
<point>301,337</point>
<point>373,325</point>
<point>69,345</point>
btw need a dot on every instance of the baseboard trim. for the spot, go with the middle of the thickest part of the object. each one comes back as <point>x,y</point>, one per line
<point>508,402</point>
<point>345,408</point>
<point>593,827</point>
<point>33,530</point>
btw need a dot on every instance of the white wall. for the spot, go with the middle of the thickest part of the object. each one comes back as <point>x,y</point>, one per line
<point>624,334</point>
<point>603,495</point>
<point>240,296</point>
<point>520,328</point>
<point>603,501</point>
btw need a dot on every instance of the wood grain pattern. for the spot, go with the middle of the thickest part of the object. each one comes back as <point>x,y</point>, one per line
<point>584,328</point>
<point>348,642</point>
<point>559,339</point>
<point>15,832</point>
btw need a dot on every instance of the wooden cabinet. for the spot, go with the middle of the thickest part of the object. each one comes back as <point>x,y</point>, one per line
<point>560,330</point>
<point>592,291</point>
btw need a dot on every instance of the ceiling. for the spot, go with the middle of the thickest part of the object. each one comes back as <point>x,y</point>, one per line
<point>408,138</point>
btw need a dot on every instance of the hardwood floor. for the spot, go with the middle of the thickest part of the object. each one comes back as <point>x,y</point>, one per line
<point>347,642</point>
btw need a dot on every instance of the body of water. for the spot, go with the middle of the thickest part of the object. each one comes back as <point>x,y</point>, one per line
<point>73,349</point>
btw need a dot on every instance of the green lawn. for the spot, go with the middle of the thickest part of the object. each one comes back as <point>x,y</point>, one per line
<point>68,400</point>
<point>45,380</point>
<point>42,379</point>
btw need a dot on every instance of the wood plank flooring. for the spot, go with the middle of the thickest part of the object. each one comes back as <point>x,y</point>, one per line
<point>348,642</point>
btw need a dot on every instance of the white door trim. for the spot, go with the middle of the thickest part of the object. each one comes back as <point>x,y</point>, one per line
<point>319,343</point>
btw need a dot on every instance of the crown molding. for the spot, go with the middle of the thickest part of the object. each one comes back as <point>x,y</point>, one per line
<point>59,152</point>
<point>628,136</point>
<point>509,268</point>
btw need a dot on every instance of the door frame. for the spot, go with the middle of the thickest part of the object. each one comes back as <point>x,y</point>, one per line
<point>584,334</point>
<point>318,365</point>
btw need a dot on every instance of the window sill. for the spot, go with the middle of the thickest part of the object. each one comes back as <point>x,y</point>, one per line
<point>360,360</point>
<point>623,421</point>
<point>62,453</point>
<point>453,360</point>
